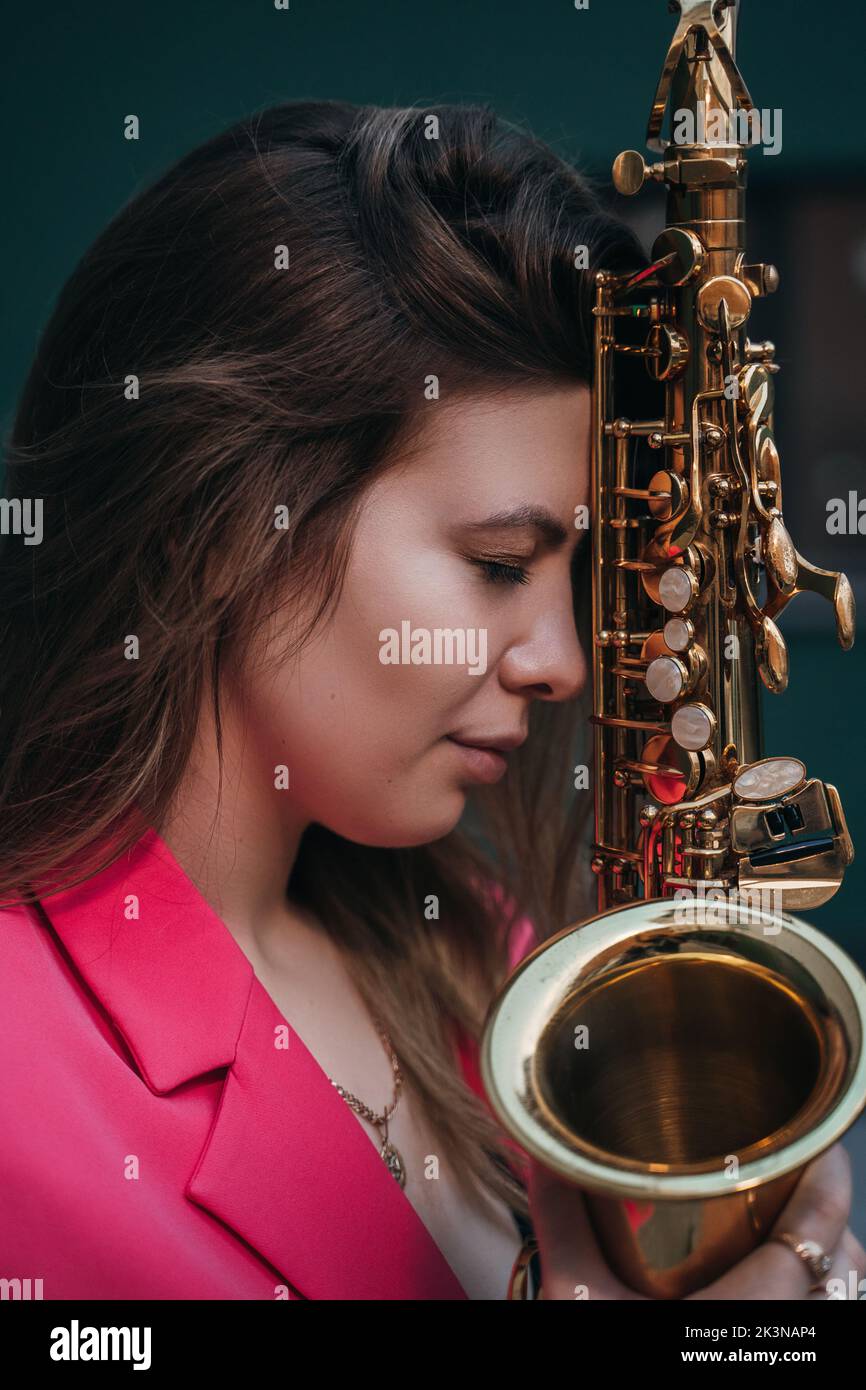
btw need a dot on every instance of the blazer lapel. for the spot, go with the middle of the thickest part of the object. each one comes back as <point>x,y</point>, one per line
<point>286,1164</point>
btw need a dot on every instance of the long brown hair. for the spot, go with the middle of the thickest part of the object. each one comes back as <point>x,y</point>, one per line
<point>253,331</point>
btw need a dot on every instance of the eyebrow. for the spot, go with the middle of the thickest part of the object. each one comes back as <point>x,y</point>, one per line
<point>518,518</point>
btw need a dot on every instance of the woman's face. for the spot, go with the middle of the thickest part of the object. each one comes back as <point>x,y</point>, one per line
<point>366,717</point>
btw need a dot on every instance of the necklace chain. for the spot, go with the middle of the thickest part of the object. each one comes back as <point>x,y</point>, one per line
<point>392,1158</point>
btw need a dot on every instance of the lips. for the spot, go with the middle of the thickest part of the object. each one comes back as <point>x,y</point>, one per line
<point>501,743</point>
<point>481,764</point>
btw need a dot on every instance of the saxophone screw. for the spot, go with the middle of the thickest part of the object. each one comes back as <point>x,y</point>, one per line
<point>675,439</point>
<point>713,437</point>
<point>630,172</point>
<point>720,485</point>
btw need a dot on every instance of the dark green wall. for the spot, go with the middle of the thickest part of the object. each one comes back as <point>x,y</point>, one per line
<point>581,79</point>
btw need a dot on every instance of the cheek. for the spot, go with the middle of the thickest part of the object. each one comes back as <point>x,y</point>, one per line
<point>403,706</point>
<point>361,742</point>
<point>361,738</point>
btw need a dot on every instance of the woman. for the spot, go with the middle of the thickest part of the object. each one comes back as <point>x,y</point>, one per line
<point>314,401</point>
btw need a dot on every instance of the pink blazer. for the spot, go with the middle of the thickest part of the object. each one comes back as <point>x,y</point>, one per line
<point>155,1142</point>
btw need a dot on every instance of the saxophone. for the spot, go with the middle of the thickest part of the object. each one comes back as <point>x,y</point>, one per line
<point>684,1054</point>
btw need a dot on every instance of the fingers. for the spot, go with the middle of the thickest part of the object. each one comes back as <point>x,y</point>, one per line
<point>572,1265</point>
<point>847,1274</point>
<point>854,1248</point>
<point>816,1210</point>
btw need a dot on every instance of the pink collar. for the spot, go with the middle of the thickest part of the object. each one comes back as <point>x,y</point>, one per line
<point>286,1165</point>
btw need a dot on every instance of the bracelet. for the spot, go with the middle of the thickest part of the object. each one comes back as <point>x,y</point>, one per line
<point>518,1284</point>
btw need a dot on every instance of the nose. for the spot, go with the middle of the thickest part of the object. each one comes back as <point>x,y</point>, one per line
<point>550,663</point>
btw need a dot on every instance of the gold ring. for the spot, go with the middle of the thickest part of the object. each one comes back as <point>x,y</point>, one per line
<point>818,1262</point>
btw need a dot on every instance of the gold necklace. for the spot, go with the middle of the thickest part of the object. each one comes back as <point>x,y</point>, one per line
<point>392,1158</point>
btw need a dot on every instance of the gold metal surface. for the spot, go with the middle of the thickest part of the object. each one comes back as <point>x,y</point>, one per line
<point>685,1053</point>
<point>681,1074</point>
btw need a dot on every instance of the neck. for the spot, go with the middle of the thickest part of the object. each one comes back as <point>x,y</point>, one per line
<point>239,852</point>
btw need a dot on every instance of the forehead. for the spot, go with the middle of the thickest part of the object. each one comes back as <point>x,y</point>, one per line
<point>522,443</point>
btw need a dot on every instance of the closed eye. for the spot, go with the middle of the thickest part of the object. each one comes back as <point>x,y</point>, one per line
<point>498,572</point>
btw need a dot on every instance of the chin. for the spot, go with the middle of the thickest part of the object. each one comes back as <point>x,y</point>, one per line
<point>415,825</point>
<point>453,806</point>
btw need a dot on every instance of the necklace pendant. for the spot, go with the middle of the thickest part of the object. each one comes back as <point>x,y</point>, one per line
<point>393,1162</point>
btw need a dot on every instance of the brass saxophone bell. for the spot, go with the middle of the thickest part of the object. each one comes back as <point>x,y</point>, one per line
<point>680,1061</point>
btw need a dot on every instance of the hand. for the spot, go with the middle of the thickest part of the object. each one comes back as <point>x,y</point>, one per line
<point>816,1210</point>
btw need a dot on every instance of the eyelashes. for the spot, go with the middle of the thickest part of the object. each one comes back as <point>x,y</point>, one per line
<point>498,572</point>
